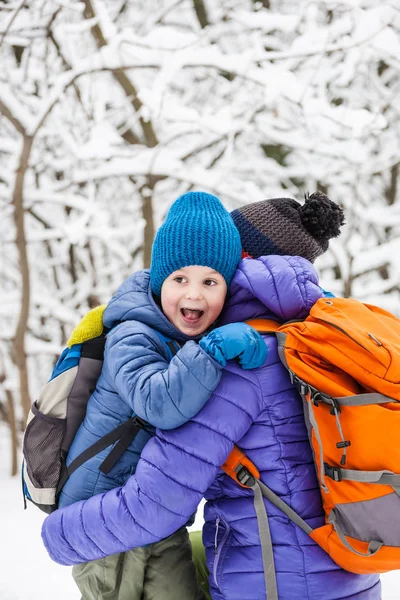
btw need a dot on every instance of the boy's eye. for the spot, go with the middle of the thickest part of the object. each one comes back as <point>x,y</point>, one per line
<point>179,279</point>
<point>210,282</point>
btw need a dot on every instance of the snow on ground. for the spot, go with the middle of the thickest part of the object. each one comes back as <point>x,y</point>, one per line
<point>25,569</point>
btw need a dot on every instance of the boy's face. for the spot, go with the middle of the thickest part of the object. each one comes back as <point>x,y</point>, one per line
<point>192,298</point>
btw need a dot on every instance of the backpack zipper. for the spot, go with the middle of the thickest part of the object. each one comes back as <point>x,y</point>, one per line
<point>346,334</point>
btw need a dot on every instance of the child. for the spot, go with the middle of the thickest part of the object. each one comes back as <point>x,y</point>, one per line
<point>195,254</point>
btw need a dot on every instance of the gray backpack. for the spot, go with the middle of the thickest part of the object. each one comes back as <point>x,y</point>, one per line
<point>56,416</point>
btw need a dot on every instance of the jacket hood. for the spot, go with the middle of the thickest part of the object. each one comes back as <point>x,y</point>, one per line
<point>280,287</point>
<point>133,301</point>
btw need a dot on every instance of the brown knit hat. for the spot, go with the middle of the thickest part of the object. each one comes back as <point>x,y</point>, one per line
<point>284,226</point>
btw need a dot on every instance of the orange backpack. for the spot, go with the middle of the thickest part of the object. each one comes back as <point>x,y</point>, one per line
<point>345,361</point>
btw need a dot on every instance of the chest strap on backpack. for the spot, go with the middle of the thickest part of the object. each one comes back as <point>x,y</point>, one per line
<point>132,428</point>
<point>241,469</point>
<point>123,435</point>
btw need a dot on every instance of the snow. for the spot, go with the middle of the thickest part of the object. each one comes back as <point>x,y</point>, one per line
<point>268,21</point>
<point>12,104</point>
<point>27,571</point>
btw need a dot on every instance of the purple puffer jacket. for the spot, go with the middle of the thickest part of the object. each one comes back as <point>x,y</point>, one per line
<point>261,412</point>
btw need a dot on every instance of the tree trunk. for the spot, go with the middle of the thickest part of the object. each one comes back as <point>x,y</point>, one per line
<point>14,434</point>
<point>149,135</point>
<point>147,214</point>
<point>8,414</point>
<point>19,352</point>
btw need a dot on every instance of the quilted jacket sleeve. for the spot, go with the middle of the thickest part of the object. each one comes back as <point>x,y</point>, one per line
<point>165,394</point>
<point>175,469</point>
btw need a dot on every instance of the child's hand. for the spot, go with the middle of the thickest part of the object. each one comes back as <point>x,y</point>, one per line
<point>236,340</point>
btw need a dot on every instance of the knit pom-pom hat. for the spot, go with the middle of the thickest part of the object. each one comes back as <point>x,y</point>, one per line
<point>284,226</point>
<point>198,230</point>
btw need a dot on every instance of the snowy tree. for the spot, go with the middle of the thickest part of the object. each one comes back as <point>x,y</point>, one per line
<point>111,109</point>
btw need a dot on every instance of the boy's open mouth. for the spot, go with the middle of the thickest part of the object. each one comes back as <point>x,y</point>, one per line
<point>191,314</point>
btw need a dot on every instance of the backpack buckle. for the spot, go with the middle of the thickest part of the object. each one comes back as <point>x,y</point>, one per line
<point>334,473</point>
<point>335,410</point>
<point>343,444</point>
<point>316,398</point>
<point>244,476</point>
<point>302,387</point>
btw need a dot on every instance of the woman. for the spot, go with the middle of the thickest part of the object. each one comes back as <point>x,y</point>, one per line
<point>261,411</point>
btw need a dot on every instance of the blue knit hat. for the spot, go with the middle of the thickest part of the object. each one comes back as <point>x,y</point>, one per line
<point>197,231</point>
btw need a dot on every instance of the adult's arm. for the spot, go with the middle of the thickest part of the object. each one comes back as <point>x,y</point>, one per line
<point>175,469</point>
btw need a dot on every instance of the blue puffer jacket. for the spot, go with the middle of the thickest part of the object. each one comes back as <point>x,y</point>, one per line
<point>260,411</point>
<point>137,377</point>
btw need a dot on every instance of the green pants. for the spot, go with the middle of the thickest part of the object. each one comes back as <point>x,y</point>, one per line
<point>161,571</point>
<point>199,559</point>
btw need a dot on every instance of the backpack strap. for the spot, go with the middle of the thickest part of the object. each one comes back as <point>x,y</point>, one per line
<point>264,325</point>
<point>376,477</point>
<point>133,426</point>
<point>241,469</point>
<point>172,345</point>
<point>123,434</point>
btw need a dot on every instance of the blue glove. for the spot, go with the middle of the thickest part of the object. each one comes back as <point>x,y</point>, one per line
<point>236,340</point>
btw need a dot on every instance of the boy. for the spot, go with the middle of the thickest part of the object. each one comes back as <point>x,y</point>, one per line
<point>195,254</point>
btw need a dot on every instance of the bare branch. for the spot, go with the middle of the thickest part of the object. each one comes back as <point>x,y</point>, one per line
<point>391,190</point>
<point>56,45</point>
<point>327,49</point>
<point>12,19</point>
<point>123,80</point>
<point>201,13</point>
<point>16,116</point>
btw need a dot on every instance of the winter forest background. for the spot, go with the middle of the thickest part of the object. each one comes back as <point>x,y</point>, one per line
<point>110,109</point>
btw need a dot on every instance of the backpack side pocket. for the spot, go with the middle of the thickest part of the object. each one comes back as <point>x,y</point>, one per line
<point>42,449</point>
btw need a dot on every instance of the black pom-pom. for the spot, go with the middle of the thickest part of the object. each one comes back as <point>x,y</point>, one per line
<point>321,217</point>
